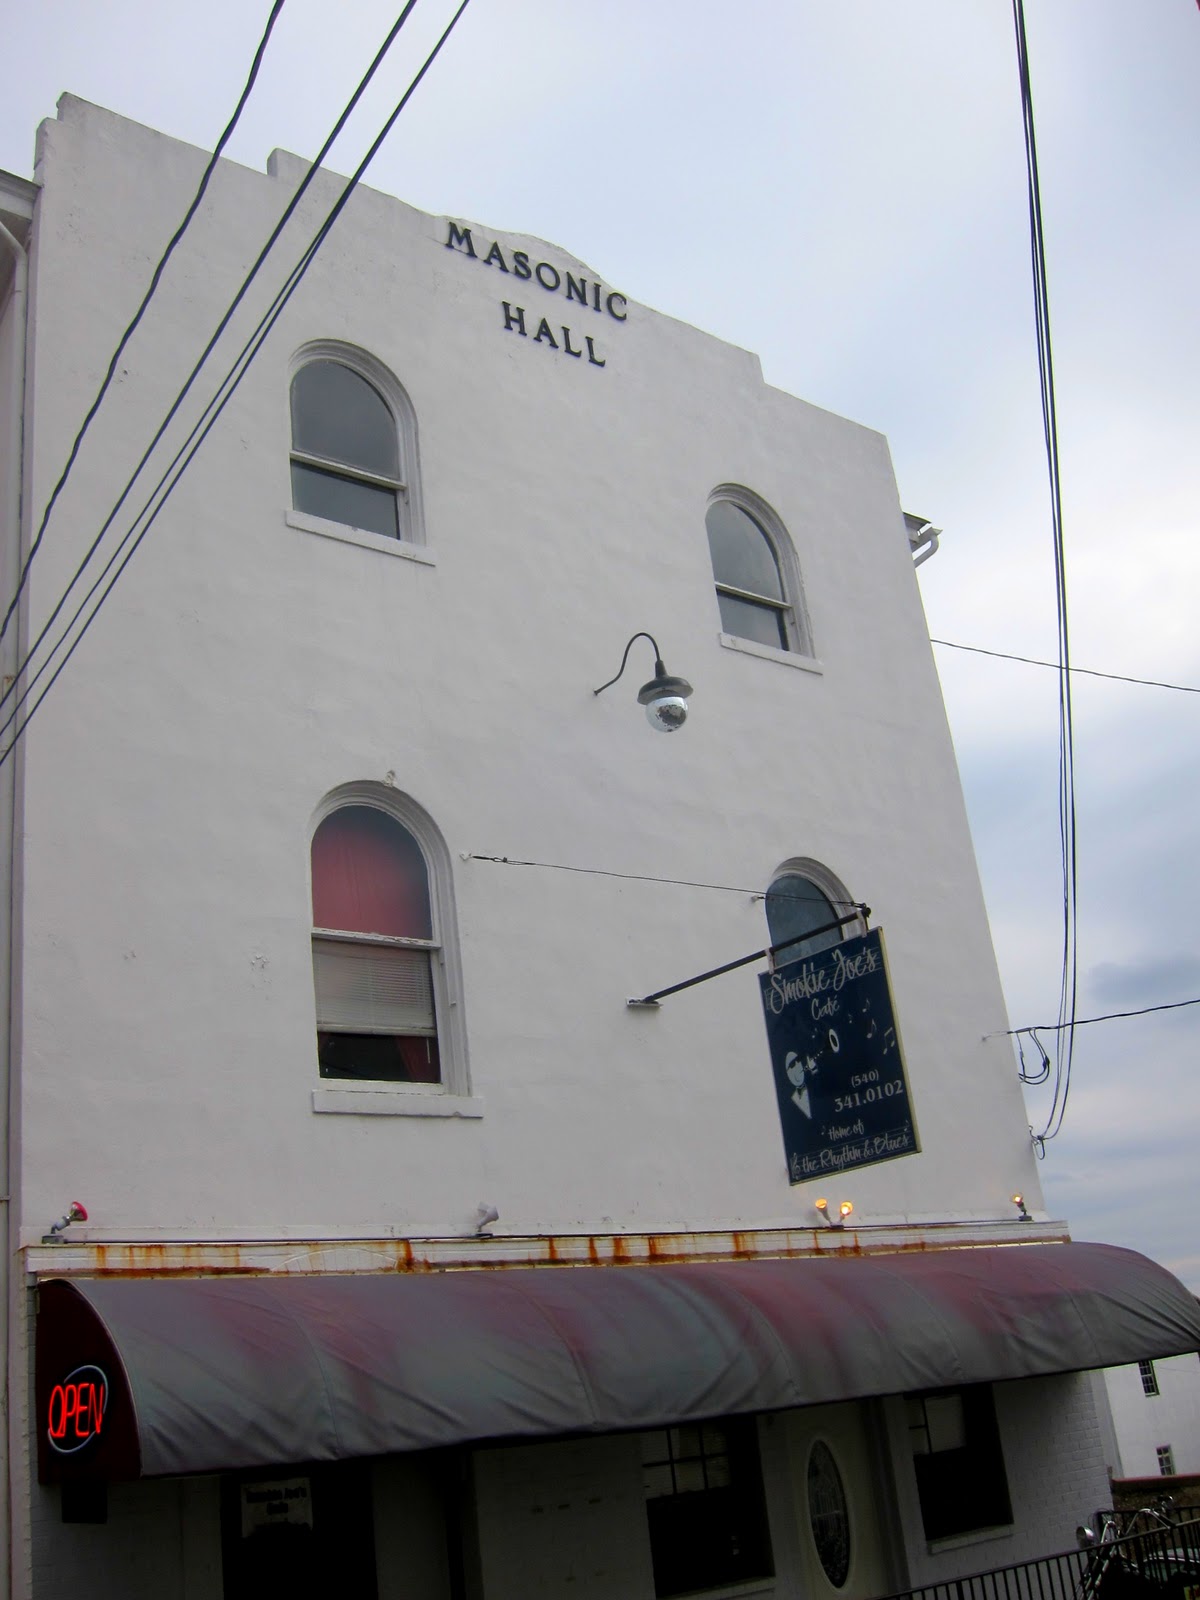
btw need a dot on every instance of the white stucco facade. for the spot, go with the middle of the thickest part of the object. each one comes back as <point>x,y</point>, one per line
<point>257,664</point>
<point>246,668</point>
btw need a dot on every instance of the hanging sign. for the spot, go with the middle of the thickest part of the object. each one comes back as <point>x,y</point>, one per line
<point>281,1502</point>
<point>839,1073</point>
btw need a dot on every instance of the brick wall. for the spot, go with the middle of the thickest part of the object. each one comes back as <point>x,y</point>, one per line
<point>1054,1458</point>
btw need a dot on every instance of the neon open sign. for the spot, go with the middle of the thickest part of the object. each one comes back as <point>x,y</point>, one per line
<point>75,1414</point>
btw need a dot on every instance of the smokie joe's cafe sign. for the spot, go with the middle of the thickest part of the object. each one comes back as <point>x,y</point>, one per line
<point>839,1074</point>
<point>580,298</point>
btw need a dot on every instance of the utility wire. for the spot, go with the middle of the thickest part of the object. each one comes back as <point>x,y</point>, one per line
<point>1055,666</point>
<point>1107,1016</point>
<point>1069,984</point>
<point>285,217</point>
<point>138,314</point>
<point>233,378</point>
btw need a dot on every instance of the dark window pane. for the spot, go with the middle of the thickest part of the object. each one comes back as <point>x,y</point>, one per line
<point>710,1529</point>
<point>379,1056</point>
<point>358,505</point>
<point>794,906</point>
<point>369,876</point>
<point>742,556</point>
<point>745,620</point>
<point>327,1549</point>
<point>338,415</point>
<point>964,1487</point>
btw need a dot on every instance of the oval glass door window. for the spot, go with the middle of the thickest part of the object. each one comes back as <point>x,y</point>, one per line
<point>828,1514</point>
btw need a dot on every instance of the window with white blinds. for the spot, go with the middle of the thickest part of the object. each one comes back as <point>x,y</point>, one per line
<point>376,949</point>
<point>373,988</point>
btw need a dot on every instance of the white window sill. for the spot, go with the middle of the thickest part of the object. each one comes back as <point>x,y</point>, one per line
<point>733,1591</point>
<point>359,536</point>
<point>390,1100</point>
<point>960,1541</point>
<point>767,652</point>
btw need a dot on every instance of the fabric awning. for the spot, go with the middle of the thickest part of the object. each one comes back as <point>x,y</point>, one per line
<point>201,1374</point>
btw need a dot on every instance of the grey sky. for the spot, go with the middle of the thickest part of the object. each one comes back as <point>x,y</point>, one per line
<point>839,186</point>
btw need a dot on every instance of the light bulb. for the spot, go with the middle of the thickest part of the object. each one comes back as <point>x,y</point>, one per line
<point>667,712</point>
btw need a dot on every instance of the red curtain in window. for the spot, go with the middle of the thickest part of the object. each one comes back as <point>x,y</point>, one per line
<point>368,876</point>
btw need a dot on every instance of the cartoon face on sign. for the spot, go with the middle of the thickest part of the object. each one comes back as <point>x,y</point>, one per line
<point>799,1070</point>
<point>75,1414</point>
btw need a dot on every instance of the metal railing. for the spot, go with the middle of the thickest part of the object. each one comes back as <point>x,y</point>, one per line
<point>1152,1554</point>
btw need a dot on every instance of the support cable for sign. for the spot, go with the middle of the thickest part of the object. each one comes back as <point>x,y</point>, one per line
<point>229,385</point>
<point>155,279</point>
<point>285,217</point>
<point>650,1001</point>
<point>647,877</point>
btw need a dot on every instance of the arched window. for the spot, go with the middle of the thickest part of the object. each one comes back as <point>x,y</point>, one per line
<point>376,949</point>
<point>353,450</point>
<point>754,567</point>
<point>804,896</point>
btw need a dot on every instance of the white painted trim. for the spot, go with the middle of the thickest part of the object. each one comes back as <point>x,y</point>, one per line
<point>394,1100</point>
<point>798,623</point>
<point>359,536</point>
<point>392,392</point>
<point>961,1541</point>
<point>768,652</point>
<point>830,885</point>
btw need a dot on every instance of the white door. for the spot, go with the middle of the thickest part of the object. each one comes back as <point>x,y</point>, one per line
<point>842,1515</point>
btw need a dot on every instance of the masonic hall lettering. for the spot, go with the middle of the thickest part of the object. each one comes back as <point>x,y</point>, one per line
<point>587,294</point>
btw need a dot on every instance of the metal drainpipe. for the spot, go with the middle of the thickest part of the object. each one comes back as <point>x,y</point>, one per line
<point>927,543</point>
<point>10,565</point>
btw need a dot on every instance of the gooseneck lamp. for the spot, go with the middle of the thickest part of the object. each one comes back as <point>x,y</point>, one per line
<point>665,698</point>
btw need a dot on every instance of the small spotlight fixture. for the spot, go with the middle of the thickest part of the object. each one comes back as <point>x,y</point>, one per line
<point>844,1210</point>
<point>75,1212</point>
<point>1022,1215</point>
<point>665,698</point>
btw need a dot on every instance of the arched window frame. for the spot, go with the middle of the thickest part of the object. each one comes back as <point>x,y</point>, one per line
<point>407,487</point>
<point>830,885</point>
<point>792,609</point>
<point>452,1096</point>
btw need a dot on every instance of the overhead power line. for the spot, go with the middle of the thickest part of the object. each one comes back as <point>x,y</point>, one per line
<point>1107,1016</point>
<point>155,279</point>
<point>1069,981</point>
<point>229,384</point>
<point>1090,672</point>
<point>226,318</point>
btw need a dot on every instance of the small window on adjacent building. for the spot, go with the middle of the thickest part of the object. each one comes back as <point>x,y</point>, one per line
<point>1166,1460</point>
<point>1148,1376</point>
<point>705,1506</point>
<point>346,457</point>
<point>375,950</point>
<point>803,897</point>
<point>755,572</point>
<point>959,1465</point>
